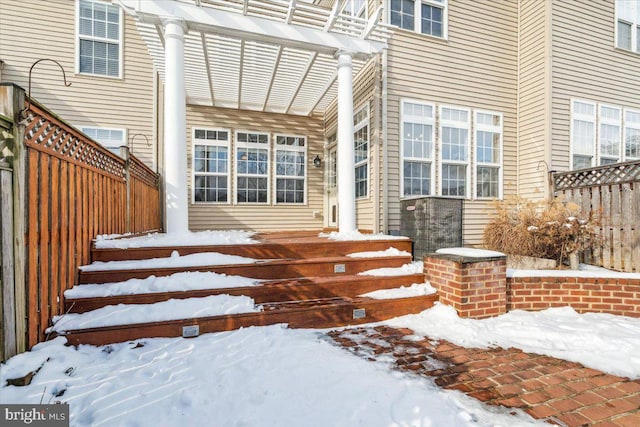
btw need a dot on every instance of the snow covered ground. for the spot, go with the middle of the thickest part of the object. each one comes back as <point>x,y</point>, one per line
<point>259,376</point>
<point>268,376</point>
<point>601,341</point>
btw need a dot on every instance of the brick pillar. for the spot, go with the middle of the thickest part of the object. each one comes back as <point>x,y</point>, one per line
<point>475,286</point>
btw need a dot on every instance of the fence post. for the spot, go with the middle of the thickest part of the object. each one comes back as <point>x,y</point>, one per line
<point>126,155</point>
<point>12,101</point>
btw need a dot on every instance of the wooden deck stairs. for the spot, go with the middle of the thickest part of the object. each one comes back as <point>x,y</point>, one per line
<point>308,282</point>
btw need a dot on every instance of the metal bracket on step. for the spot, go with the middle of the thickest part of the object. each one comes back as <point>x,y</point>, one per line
<point>359,313</point>
<point>190,331</point>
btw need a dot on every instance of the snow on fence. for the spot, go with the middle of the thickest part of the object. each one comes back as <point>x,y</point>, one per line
<point>67,190</point>
<point>611,192</point>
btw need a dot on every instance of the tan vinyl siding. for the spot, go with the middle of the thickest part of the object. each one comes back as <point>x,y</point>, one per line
<point>210,216</point>
<point>533,96</point>
<point>475,68</point>
<point>34,29</point>
<point>364,93</point>
<point>587,66</point>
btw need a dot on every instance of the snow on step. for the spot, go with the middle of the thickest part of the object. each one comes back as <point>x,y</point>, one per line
<point>174,309</point>
<point>186,281</point>
<point>379,254</point>
<point>415,267</point>
<point>414,290</point>
<point>357,236</point>
<point>175,260</point>
<point>190,238</point>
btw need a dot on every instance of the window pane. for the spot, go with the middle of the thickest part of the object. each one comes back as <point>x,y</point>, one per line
<point>402,13</point>
<point>632,144</point>
<point>581,162</point>
<point>488,179</point>
<point>610,140</point>
<point>454,180</point>
<point>431,20</point>
<point>624,35</point>
<point>488,146</point>
<point>583,137</point>
<point>417,178</point>
<point>454,144</point>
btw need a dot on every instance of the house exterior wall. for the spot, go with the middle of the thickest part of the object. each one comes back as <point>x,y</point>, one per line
<point>33,29</point>
<point>476,68</point>
<point>587,66</point>
<point>218,216</point>
<point>534,94</point>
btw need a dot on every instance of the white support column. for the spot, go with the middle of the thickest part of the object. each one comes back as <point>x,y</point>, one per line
<point>175,128</point>
<point>346,149</point>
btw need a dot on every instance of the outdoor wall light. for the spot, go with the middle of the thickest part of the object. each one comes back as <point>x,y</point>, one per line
<point>317,162</point>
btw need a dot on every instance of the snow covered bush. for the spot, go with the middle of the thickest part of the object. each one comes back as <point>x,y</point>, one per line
<point>547,229</point>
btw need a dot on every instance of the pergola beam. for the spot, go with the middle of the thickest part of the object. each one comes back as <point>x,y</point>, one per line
<point>205,52</point>
<point>273,77</point>
<point>324,91</point>
<point>251,28</point>
<point>303,77</point>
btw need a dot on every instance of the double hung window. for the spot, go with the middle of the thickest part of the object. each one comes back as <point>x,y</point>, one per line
<point>210,165</point>
<point>99,38</point>
<point>418,129</point>
<point>361,142</point>
<point>423,16</point>
<point>252,163</point>
<point>488,154</point>
<point>454,137</point>
<point>290,168</point>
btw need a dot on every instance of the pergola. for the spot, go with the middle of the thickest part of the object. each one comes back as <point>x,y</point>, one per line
<point>282,56</point>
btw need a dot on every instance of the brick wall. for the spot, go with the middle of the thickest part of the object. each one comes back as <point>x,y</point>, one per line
<point>601,295</point>
<point>475,287</point>
<point>479,288</point>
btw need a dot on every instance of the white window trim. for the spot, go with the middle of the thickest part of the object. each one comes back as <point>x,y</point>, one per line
<point>230,153</point>
<point>635,28</point>
<point>125,136</point>
<point>356,128</point>
<point>417,17</point>
<point>603,121</point>
<point>443,123</point>
<point>625,126</point>
<point>431,159</point>
<point>594,120</point>
<point>235,166</point>
<point>120,43</point>
<point>496,129</point>
<point>304,150</point>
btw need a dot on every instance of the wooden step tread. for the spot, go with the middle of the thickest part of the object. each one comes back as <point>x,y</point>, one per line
<point>272,269</point>
<point>269,291</point>
<point>286,248</point>
<point>322,313</point>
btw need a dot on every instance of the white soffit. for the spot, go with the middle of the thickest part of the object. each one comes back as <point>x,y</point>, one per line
<point>264,55</point>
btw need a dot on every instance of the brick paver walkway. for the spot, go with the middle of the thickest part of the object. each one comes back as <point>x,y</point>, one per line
<point>561,392</point>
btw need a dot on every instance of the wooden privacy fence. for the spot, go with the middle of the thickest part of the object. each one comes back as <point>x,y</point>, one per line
<point>613,193</point>
<point>67,189</point>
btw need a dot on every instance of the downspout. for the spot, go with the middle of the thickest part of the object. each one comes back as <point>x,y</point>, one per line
<point>385,148</point>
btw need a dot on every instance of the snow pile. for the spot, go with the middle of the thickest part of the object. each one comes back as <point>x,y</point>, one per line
<point>259,376</point>
<point>584,270</point>
<point>356,235</point>
<point>601,341</point>
<point>187,281</point>
<point>415,290</point>
<point>175,260</point>
<point>469,252</point>
<point>199,238</point>
<point>174,309</point>
<point>415,267</point>
<point>379,254</point>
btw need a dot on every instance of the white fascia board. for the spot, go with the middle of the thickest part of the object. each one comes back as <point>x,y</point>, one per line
<point>209,20</point>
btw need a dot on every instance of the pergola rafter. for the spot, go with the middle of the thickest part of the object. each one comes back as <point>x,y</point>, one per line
<point>231,35</point>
